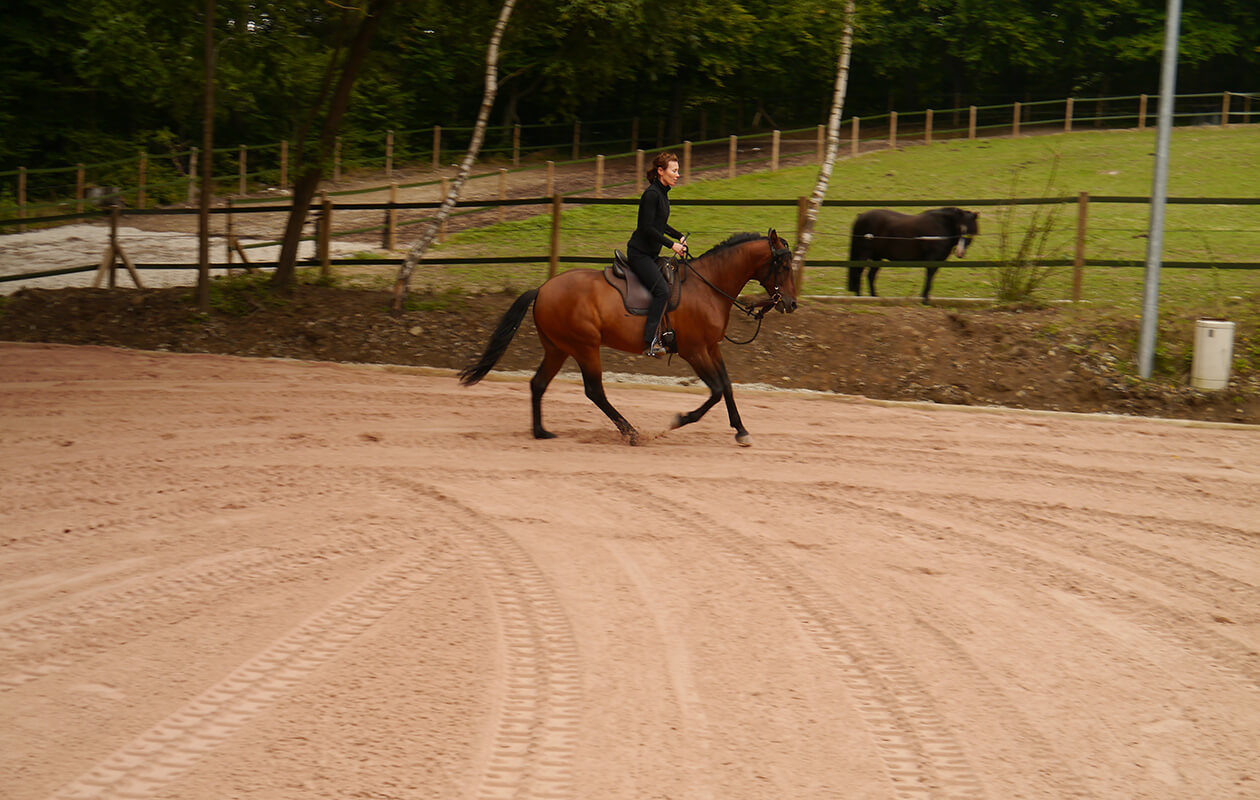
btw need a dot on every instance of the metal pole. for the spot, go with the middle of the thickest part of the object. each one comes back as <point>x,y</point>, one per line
<point>1159,192</point>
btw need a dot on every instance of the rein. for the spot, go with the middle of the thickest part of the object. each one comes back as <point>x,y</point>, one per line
<point>757,311</point>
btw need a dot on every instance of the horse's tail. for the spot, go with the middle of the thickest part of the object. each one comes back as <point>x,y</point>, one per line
<point>499,340</point>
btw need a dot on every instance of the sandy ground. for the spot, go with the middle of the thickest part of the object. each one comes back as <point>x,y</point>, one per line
<point>232,578</point>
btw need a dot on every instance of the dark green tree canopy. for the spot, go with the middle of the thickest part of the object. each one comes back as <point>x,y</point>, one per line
<point>91,80</point>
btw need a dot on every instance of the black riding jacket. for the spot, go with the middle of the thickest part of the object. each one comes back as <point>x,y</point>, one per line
<point>649,235</point>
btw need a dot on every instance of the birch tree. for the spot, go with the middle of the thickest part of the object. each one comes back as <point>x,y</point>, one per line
<point>806,234</point>
<point>430,229</point>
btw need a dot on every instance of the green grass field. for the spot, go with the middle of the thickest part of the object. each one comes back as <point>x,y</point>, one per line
<point>1205,162</point>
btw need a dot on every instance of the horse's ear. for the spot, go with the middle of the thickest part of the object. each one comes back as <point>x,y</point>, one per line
<point>773,236</point>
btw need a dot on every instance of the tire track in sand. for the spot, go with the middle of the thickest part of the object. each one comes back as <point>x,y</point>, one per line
<point>920,754</point>
<point>173,746</point>
<point>539,705</point>
<point>41,629</point>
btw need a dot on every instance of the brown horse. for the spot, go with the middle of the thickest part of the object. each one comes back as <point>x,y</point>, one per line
<point>577,311</point>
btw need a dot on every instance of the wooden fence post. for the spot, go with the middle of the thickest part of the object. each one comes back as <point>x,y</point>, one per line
<point>516,145</point>
<point>577,138</point>
<point>1015,120</point>
<point>78,188</point>
<point>241,171</point>
<point>820,141</point>
<point>971,123</point>
<point>634,133</point>
<point>437,145</point>
<point>1078,269</point>
<point>638,171</point>
<point>774,150</point>
<point>325,237</point>
<point>391,219</point>
<point>144,169</point>
<point>892,129</point>
<point>337,160</point>
<point>1225,110</point>
<point>686,165</point>
<point>229,237</point>
<point>1067,115</point>
<point>1142,112</point>
<point>21,197</point>
<point>551,179</point>
<point>502,193</point>
<point>192,175</point>
<point>557,205</point>
<point>284,164</point>
<point>599,176</point>
<point>389,154</point>
<point>927,127</point>
<point>731,149</point>
<point>853,140</point>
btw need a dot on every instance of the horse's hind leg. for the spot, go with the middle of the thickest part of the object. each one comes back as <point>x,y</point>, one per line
<point>553,359</point>
<point>927,283</point>
<point>870,278</point>
<point>593,382</point>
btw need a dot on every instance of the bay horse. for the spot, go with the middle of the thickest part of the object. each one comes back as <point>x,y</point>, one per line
<point>577,312</point>
<point>893,236</point>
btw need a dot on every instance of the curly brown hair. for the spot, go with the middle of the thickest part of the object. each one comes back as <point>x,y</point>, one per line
<point>660,162</point>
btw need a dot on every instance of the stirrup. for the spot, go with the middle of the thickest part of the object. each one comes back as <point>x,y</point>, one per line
<point>655,349</point>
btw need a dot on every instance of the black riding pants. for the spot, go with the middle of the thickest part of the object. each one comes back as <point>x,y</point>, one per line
<point>644,266</point>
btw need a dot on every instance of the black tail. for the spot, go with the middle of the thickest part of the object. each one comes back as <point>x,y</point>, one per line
<point>499,340</point>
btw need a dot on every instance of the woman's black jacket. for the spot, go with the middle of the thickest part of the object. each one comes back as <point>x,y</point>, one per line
<point>649,235</point>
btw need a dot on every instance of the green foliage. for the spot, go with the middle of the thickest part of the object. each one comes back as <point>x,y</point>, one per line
<point>96,80</point>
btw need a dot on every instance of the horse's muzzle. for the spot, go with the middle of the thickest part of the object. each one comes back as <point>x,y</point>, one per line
<point>785,305</point>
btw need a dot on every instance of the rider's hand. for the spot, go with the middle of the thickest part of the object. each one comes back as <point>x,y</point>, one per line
<point>680,248</point>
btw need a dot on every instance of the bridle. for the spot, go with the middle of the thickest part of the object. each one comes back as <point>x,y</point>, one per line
<point>780,263</point>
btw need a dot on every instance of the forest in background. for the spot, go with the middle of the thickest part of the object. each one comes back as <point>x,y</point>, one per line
<point>92,80</point>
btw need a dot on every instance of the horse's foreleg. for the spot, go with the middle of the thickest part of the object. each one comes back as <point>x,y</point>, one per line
<point>927,283</point>
<point>593,382</point>
<point>713,379</point>
<point>712,371</point>
<point>870,278</point>
<point>553,359</point>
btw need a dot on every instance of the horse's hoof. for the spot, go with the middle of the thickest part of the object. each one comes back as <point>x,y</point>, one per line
<point>743,440</point>
<point>541,434</point>
<point>632,438</point>
<point>677,422</point>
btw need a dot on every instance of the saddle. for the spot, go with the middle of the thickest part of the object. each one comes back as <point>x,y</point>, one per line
<point>634,295</point>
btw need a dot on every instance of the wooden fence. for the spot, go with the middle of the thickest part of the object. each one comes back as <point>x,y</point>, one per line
<point>326,213</point>
<point>269,165</point>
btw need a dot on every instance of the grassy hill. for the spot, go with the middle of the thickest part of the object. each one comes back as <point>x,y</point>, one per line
<point>1205,162</point>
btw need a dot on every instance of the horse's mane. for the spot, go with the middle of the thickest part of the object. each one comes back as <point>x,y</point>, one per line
<point>732,240</point>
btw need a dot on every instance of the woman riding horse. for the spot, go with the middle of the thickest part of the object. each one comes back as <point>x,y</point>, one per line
<point>577,312</point>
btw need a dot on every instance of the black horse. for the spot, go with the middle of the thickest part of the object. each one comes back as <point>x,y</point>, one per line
<point>893,236</point>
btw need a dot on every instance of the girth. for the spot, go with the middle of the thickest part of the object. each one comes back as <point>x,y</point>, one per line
<point>633,293</point>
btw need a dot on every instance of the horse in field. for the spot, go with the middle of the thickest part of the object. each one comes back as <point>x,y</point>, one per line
<point>578,311</point>
<point>893,236</point>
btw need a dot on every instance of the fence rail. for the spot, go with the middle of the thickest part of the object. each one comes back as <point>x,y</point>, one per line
<point>326,212</point>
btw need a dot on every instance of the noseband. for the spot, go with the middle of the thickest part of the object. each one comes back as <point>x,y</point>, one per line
<point>780,263</point>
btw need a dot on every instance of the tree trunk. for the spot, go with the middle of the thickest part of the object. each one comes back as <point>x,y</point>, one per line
<point>430,229</point>
<point>311,172</point>
<point>207,169</point>
<point>806,234</point>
